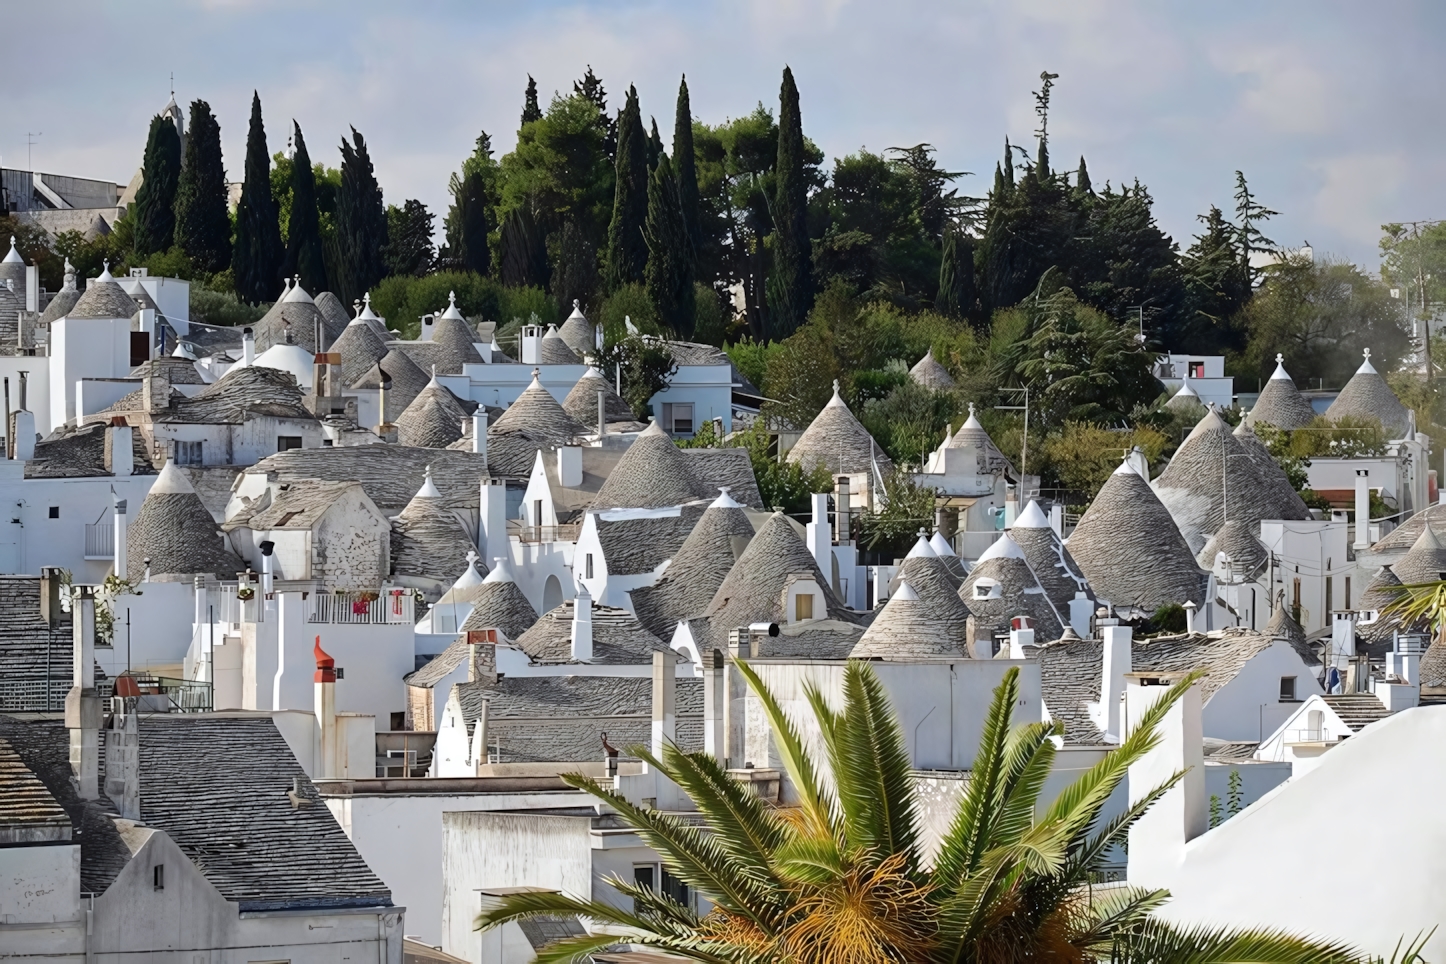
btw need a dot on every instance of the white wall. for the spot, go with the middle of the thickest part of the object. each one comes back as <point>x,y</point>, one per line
<point>39,884</point>
<point>161,628</point>
<point>37,540</point>
<point>1249,706</point>
<point>708,387</point>
<point>81,348</point>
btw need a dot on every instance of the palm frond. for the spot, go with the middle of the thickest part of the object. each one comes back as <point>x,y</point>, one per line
<point>811,860</point>
<point>1154,940</point>
<point>1028,759</point>
<point>871,769</point>
<point>816,802</point>
<point>1113,911</point>
<point>1417,602</point>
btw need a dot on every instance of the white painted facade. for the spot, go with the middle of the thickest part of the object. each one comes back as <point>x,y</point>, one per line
<point>1205,374</point>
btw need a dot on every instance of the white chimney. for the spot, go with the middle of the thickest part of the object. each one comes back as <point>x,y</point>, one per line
<point>818,533</point>
<point>1190,608</point>
<point>120,453</point>
<point>82,706</point>
<point>665,689</point>
<point>119,540</point>
<point>479,431</point>
<point>1081,611</point>
<point>582,625</point>
<point>1021,634</point>
<point>267,548</point>
<point>324,685</point>
<point>1117,650</point>
<point>602,414</point>
<point>1157,840</point>
<point>1363,510</point>
<point>841,509</point>
<point>123,758</point>
<point>713,704</point>
<point>248,347</point>
<point>569,466</point>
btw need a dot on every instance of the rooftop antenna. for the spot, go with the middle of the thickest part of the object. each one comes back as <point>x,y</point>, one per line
<point>30,143</point>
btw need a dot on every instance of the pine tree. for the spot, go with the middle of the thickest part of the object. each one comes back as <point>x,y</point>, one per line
<point>203,225</point>
<point>1041,107</point>
<point>155,217</point>
<point>304,254</point>
<point>655,145</point>
<point>686,170</point>
<point>669,273</point>
<point>257,256</point>
<point>1248,215</point>
<point>627,251</point>
<point>592,88</point>
<point>791,287</point>
<point>524,250</point>
<point>530,111</point>
<point>361,221</point>
<point>471,217</point>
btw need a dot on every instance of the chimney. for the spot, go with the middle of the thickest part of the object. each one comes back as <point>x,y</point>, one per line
<point>119,541</point>
<point>1118,652</point>
<point>819,534</point>
<point>325,694</point>
<point>841,509</point>
<point>569,466</point>
<point>602,414</point>
<point>119,450</point>
<point>492,520</point>
<point>713,705</point>
<point>318,375</point>
<point>482,655</point>
<point>480,755</point>
<point>582,625</point>
<point>123,757</point>
<point>1157,840</point>
<point>9,434</point>
<point>156,390</point>
<point>479,432</point>
<point>24,435</point>
<point>1190,608</point>
<point>1081,611</point>
<point>82,706</point>
<point>267,547</point>
<point>1021,634</point>
<point>665,689</point>
<point>248,347</point>
<point>50,585</point>
<point>1363,510</point>
<point>429,323</point>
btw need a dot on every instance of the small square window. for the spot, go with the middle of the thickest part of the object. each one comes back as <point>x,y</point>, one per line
<point>803,606</point>
<point>158,877</point>
<point>1287,689</point>
<point>340,672</point>
<point>190,453</point>
<point>285,443</point>
<point>55,512</point>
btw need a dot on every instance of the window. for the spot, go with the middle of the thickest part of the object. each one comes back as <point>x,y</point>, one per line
<point>803,606</point>
<point>189,453</point>
<point>55,512</point>
<point>678,418</point>
<point>656,878</point>
<point>1348,592</point>
<point>340,672</point>
<point>399,720</point>
<point>1330,585</point>
<point>285,443</point>
<point>645,874</point>
<point>158,877</point>
<point>588,566</point>
<point>1287,689</point>
<point>1197,369</point>
<point>537,513</point>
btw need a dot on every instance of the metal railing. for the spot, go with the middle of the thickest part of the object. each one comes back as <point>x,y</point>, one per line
<point>166,694</point>
<point>100,540</point>
<point>361,608</point>
<point>39,695</point>
<point>535,534</point>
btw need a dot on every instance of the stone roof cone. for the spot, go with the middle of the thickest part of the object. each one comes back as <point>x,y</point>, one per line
<point>1367,395</point>
<point>929,373</point>
<point>578,332</point>
<point>428,538</point>
<point>552,350</point>
<point>911,626</point>
<point>652,473</point>
<point>839,441</point>
<point>500,603</point>
<point>176,533</point>
<point>972,433</point>
<point>538,413</point>
<point>581,402</point>
<point>1280,403</point>
<point>1046,554</point>
<point>432,420</point>
<point>1018,593</point>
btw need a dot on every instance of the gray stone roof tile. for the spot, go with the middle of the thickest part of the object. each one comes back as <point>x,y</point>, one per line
<point>839,441</point>
<point>618,639</point>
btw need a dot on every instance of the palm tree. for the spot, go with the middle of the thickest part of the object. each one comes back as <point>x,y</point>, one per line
<point>840,877</point>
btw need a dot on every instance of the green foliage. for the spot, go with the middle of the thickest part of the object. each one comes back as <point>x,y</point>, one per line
<point>471,219</point>
<point>1234,798</point>
<point>1216,816</point>
<point>211,307</point>
<point>558,172</point>
<point>1169,618</point>
<point>647,366</point>
<point>1217,286</point>
<point>203,224</point>
<point>1081,455</point>
<point>574,268</point>
<point>711,319</point>
<point>781,484</point>
<point>668,275</point>
<point>907,508</point>
<point>752,358</point>
<point>155,216</point>
<point>403,299</point>
<point>686,171</point>
<point>361,222</point>
<point>305,253</point>
<point>909,422</point>
<point>627,251</point>
<point>35,247</point>
<point>257,254</point>
<point>628,303</point>
<point>527,302</point>
<point>409,239</point>
<point>1249,215</point>
<point>530,109</point>
<point>790,289</point>
<point>523,250</point>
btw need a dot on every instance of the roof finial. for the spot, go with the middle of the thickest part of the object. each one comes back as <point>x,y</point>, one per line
<point>971,409</point>
<point>451,299</point>
<point>1279,358</point>
<point>434,371</point>
<point>367,299</point>
<point>575,304</point>
<point>472,557</point>
<point>536,373</point>
<point>1368,354</point>
<point>835,386</point>
<point>356,306</point>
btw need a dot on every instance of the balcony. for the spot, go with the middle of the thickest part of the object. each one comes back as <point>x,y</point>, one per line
<point>100,540</point>
<point>539,534</point>
<point>390,606</point>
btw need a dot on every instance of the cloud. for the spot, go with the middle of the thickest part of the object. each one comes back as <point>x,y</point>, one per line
<point>1358,193</point>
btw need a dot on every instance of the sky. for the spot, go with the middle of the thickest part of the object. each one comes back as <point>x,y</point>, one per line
<point>1331,109</point>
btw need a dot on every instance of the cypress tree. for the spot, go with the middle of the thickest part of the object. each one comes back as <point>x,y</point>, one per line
<point>530,111</point>
<point>685,168</point>
<point>361,221</point>
<point>524,250</point>
<point>1008,165</point>
<point>303,247</point>
<point>574,273</point>
<point>155,220</point>
<point>257,255</point>
<point>956,294</point>
<point>470,218</point>
<point>627,252</point>
<point>791,294</point>
<point>203,225</point>
<point>1082,183</point>
<point>669,273</point>
<point>655,145</point>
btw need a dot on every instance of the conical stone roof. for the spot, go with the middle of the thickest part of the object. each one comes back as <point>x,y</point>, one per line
<point>1129,548</point>
<point>1046,554</point>
<point>1368,396</point>
<point>652,473</point>
<point>1280,403</point>
<point>923,569</point>
<point>539,414</point>
<point>696,570</point>
<point>929,373</point>
<point>174,530</point>
<point>1425,562</point>
<point>360,349</point>
<point>947,555</point>
<point>912,627</point>
<point>1185,399</point>
<point>499,603</point>
<point>1282,625</point>
<point>581,402</point>
<point>552,350</point>
<point>972,434</point>
<point>456,339</point>
<point>752,592</point>
<point>103,298</point>
<point>334,315</point>
<point>1237,540</point>
<point>1378,634</point>
<point>407,380</point>
<point>837,440</point>
<point>433,420</point>
<point>428,539</point>
<point>64,299</point>
<point>293,312</point>
<point>1002,585</point>
<point>578,332</point>
<point>1281,494</point>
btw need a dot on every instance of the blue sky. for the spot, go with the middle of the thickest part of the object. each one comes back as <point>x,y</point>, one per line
<point>1332,109</point>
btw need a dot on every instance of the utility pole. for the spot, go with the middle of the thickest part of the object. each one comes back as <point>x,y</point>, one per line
<point>1024,447</point>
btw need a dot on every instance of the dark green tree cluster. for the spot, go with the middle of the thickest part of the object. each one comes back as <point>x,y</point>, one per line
<point>155,216</point>
<point>203,225</point>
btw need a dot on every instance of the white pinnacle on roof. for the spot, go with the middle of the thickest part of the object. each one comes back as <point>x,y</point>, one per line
<point>724,500</point>
<point>14,256</point>
<point>1003,548</point>
<point>501,571</point>
<point>1032,517</point>
<point>298,293</point>
<point>970,422</point>
<point>1280,371</point>
<point>366,314</point>
<point>941,546</point>
<point>1366,367</point>
<point>452,311</point>
<point>1125,468</point>
<point>429,489</point>
<point>285,289</point>
<point>905,592</point>
<point>105,274</point>
<point>1186,392</point>
<point>171,481</point>
<point>922,549</point>
<point>469,577</point>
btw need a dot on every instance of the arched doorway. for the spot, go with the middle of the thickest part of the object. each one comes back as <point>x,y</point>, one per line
<point>551,594</point>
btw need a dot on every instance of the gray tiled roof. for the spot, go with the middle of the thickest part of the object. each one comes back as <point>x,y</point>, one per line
<point>1281,404</point>
<point>1020,594</point>
<point>297,505</point>
<point>181,371</point>
<point>1405,535</point>
<point>536,412</point>
<point>500,605</point>
<point>929,373</point>
<point>1237,540</point>
<point>1357,710</point>
<point>578,332</point>
<point>559,719</point>
<point>70,452</point>
<point>1424,562</point>
<point>1433,666</point>
<point>581,402</point>
<point>36,658</point>
<point>1282,625</point>
<point>298,318</point>
<point>618,639</point>
<point>1069,677</point>
<point>1368,396</point>
<point>1128,547</point>
<point>635,546</point>
<point>432,420</point>
<point>176,532</point>
<point>1378,635</point>
<point>103,299</point>
<point>333,314</point>
<point>390,474</point>
<point>430,540</point>
<point>712,468</point>
<point>407,379</point>
<point>60,305</point>
<point>457,341</point>
<point>360,348</point>
<point>916,624</point>
<point>839,441</point>
<point>696,571</point>
<point>1053,566</point>
<point>652,473</point>
<point>1281,493</point>
<point>552,350</point>
<point>28,811</point>
<point>436,669</point>
<point>240,394</point>
<point>925,574</point>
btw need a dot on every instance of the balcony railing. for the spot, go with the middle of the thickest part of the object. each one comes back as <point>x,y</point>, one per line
<point>165,694</point>
<point>100,540</point>
<point>537,534</point>
<point>40,696</point>
<point>361,608</point>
